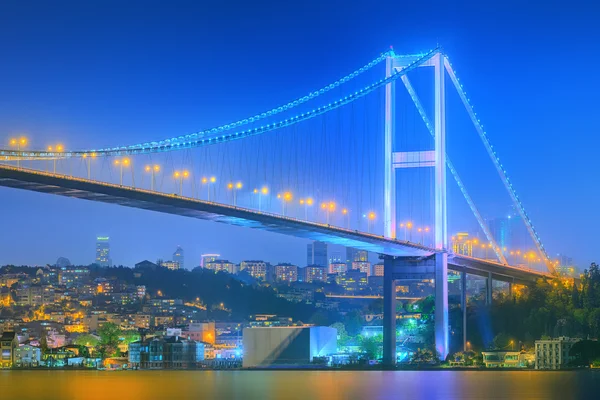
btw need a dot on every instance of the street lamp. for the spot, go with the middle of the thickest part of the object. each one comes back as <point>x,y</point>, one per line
<point>18,143</point>
<point>346,214</point>
<point>88,158</point>
<point>125,162</point>
<point>181,175</point>
<point>261,192</point>
<point>285,198</point>
<point>152,169</point>
<point>406,226</point>
<point>370,217</point>
<point>207,182</point>
<point>306,203</point>
<point>57,149</point>
<point>234,187</point>
<point>328,208</point>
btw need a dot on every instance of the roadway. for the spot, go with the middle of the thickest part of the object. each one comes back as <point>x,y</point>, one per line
<point>74,187</point>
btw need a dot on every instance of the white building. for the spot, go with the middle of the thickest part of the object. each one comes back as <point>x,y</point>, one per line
<point>27,355</point>
<point>287,345</point>
<point>553,353</point>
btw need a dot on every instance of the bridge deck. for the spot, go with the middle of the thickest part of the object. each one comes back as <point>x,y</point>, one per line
<point>64,185</point>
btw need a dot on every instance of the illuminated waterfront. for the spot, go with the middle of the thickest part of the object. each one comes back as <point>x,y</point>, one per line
<point>299,385</point>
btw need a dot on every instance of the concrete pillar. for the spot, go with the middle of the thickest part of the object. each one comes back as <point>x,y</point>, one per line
<point>510,289</point>
<point>463,304</point>
<point>389,312</point>
<point>489,290</point>
<point>441,304</point>
<point>389,177</point>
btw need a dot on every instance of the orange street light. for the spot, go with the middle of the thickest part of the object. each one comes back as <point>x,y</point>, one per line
<point>152,169</point>
<point>370,217</point>
<point>18,143</point>
<point>181,175</point>
<point>207,181</point>
<point>124,162</point>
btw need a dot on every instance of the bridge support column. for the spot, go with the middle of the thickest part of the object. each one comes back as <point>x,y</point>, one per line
<point>389,175</point>
<point>441,304</point>
<point>463,304</point>
<point>510,289</point>
<point>489,289</point>
<point>389,312</point>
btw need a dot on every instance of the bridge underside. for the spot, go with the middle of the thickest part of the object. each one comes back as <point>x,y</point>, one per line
<point>172,204</point>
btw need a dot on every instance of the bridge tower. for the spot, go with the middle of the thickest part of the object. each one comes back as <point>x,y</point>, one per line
<point>394,267</point>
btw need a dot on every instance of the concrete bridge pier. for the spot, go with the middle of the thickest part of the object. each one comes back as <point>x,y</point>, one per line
<point>395,268</point>
<point>389,312</point>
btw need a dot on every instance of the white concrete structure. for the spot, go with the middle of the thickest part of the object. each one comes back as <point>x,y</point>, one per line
<point>288,345</point>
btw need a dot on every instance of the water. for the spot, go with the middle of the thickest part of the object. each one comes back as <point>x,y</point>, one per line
<point>305,385</point>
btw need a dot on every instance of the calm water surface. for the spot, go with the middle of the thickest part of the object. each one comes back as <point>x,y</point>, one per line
<point>305,385</point>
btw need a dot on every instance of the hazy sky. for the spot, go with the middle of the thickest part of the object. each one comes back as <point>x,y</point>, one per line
<point>102,73</point>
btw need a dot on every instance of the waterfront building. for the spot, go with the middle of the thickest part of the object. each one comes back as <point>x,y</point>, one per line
<point>27,356</point>
<point>505,359</point>
<point>201,332</point>
<point>173,352</point>
<point>8,344</point>
<point>103,251</point>
<point>316,254</point>
<point>553,353</point>
<point>294,345</point>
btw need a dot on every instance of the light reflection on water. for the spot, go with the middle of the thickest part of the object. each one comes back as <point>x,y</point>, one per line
<point>306,385</point>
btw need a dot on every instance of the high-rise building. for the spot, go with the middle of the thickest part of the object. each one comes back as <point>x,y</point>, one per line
<point>316,254</point>
<point>378,269</point>
<point>206,258</point>
<point>462,244</point>
<point>336,257</point>
<point>178,256</point>
<point>103,251</point>
<point>350,256</point>
<point>361,255</point>
<point>286,273</point>
<point>510,232</point>
<point>565,266</point>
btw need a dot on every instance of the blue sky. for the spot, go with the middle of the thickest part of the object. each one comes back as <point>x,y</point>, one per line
<point>101,73</point>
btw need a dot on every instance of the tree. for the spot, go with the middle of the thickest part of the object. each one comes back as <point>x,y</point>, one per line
<point>353,323</point>
<point>424,356</point>
<point>342,335</point>
<point>371,346</point>
<point>86,340</point>
<point>109,339</point>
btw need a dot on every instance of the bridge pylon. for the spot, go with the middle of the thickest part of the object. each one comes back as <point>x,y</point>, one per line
<point>437,160</point>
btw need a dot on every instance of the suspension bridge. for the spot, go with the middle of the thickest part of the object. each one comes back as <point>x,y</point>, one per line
<point>345,165</point>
